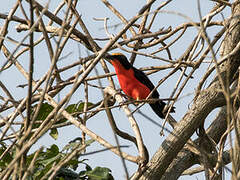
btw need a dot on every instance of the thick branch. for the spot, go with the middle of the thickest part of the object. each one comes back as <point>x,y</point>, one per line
<point>185,158</point>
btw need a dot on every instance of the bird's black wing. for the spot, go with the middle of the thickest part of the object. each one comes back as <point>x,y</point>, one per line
<point>142,77</point>
<point>157,106</point>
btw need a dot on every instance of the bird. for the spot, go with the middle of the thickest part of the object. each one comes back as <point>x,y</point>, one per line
<point>135,83</point>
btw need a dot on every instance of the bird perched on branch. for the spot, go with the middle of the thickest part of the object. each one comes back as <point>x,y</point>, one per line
<point>135,83</point>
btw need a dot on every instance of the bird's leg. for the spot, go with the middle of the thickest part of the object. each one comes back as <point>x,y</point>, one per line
<point>138,99</point>
<point>127,100</point>
<point>119,92</point>
<point>136,103</point>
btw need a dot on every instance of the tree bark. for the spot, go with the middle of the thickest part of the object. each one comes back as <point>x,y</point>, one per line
<point>185,158</point>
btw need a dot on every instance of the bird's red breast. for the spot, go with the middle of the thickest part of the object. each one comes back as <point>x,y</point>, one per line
<point>128,82</point>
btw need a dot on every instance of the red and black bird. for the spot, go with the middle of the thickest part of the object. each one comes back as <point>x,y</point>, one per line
<point>135,83</point>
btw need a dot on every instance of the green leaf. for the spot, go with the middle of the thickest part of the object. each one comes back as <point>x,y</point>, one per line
<point>50,161</point>
<point>71,146</point>
<point>52,151</point>
<point>100,173</point>
<point>73,108</point>
<point>44,111</point>
<point>65,173</point>
<point>40,174</point>
<point>6,159</point>
<point>77,142</point>
<point>54,133</point>
<point>52,155</point>
<point>73,164</point>
<point>30,156</point>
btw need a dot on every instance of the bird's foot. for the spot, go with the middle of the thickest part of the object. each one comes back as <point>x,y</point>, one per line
<point>125,102</point>
<point>119,92</point>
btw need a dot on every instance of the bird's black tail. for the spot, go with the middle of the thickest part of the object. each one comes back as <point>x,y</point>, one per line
<point>158,108</point>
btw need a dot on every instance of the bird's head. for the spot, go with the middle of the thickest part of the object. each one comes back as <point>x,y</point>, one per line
<point>117,59</point>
